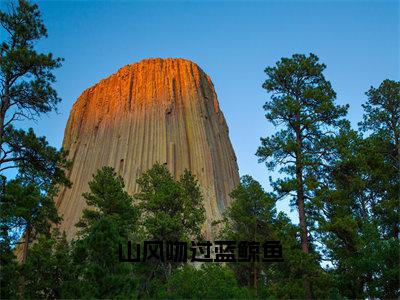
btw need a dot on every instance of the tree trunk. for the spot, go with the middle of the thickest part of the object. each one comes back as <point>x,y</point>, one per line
<point>2,116</point>
<point>300,193</point>
<point>254,275</point>
<point>300,199</point>
<point>303,224</point>
<point>397,145</point>
<point>301,209</point>
<point>5,104</point>
<point>255,279</point>
<point>26,244</point>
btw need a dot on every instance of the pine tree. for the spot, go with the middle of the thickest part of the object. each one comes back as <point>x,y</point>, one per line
<point>359,203</point>
<point>210,281</point>
<point>26,93</point>
<point>25,209</point>
<point>252,216</point>
<point>172,211</point>
<point>382,191</point>
<point>302,107</point>
<point>107,198</point>
<point>101,274</point>
<point>48,270</point>
<point>110,220</point>
<point>10,272</point>
<point>344,219</point>
<point>382,119</point>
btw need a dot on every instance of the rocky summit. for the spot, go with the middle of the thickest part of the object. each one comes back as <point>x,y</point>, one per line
<point>157,110</point>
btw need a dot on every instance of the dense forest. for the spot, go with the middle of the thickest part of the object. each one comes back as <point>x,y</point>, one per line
<point>343,181</point>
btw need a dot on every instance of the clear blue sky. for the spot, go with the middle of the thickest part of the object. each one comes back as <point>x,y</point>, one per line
<point>232,42</point>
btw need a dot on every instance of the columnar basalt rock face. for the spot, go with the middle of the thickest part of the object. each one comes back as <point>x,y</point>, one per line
<point>163,110</point>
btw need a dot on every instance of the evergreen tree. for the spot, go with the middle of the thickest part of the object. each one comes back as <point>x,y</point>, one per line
<point>26,92</point>
<point>172,211</point>
<point>107,198</point>
<point>344,218</point>
<point>48,270</point>
<point>101,274</point>
<point>302,106</point>
<point>359,205</point>
<point>252,216</point>
<point>285,280</point>
<point>26,79</point>
<point>9,268</point>
<point>210,281</point>
<point>25,209</point>
<point>111,219</point>
<point>382,119</point>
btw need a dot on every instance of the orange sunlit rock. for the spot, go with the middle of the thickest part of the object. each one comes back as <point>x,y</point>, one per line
<point>163,110</point>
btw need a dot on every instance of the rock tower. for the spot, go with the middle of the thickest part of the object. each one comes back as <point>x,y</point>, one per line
<point>163,110</point>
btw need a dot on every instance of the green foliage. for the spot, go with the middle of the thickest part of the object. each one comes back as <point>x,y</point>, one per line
<point>107,198</point>
<point>382,152</point>
<point>24,208</point>
<point>210,281</point>
<point>101,275</point>
<point>302,104</point>
<point>344,220</point>
<point>303,110</point>
<point>285,280</point>
<point>27,92</point>
<point>48,269</point>
<point>172,209</point>
<point>9,269</point>
<point>359,205</point>
<point>36,160</point>
<point>111,219</point>
<point>27,74</point>
<point>252,217</point>
<point>251,210</point>
<point>382,110</point>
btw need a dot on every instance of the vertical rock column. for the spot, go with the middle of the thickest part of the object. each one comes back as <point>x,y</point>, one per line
<point>163,110</point>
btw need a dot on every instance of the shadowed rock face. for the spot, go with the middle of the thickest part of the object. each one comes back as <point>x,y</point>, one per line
<point>163,110</point>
